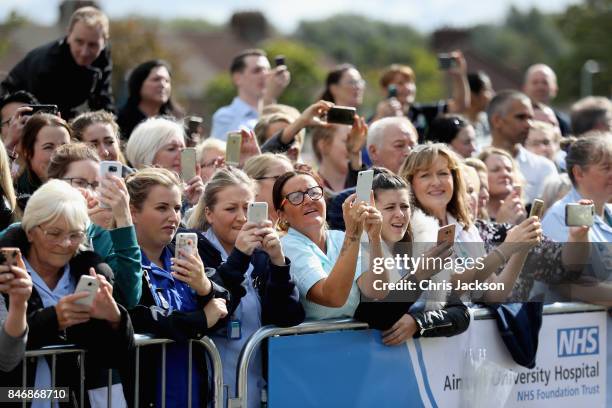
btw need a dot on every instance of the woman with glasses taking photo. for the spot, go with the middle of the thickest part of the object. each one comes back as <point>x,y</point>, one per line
<point>326,265</point>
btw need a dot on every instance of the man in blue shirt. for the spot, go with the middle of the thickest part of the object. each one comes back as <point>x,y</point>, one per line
<point>257,85</point>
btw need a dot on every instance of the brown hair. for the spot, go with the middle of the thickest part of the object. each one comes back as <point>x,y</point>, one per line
<point>389,74</point>
<point>422,158</point>
<point>322,134</point>
<point>30,133</point>
<point>140,183</point>
<point>91,17</point>
<point>67,154</point>
<point>86,119</point>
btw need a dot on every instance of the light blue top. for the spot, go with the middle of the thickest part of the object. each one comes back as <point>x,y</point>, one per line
<point>554,226</point>
<point>309,265</point>
<point>49,297</point>
<point>235,116</point>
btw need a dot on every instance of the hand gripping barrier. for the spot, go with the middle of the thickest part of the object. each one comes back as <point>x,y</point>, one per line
<point>141,340</point>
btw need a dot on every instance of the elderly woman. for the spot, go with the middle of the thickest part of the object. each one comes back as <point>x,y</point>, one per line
<point>158,142</point>
<point>251,262</point>
<point>211,156</point>
<point>265,169</point>
<point>326,265</point>
<point>149,95</point>
<point>437,182</point>
<point>50,238</point>
<point>42,134</point>
<point>178,301</point>
<point>100,131</point>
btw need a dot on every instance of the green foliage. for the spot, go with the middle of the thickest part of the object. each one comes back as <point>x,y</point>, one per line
<point>588,26</point>
<point>12,22</point>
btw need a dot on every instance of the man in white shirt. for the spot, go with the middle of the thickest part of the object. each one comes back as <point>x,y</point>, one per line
<point>257,85</point>
<point>510,114</point>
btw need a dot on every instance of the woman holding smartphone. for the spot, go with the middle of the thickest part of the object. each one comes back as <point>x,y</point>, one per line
<point>50,239</point>
<point>255,271</point>
<point>437,183</point>
<point>178,301</point>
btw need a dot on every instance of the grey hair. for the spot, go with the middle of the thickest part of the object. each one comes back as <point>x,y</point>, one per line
<point>148,138</point>
<point>377,130</point>
<point>500,103</point>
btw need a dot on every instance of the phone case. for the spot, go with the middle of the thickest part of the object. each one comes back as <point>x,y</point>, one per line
<point>577,215</point>
<point>364,185</point>
<point>232,149</point>
<point>343,115</point>
<point>188,163</point>
<point>110,167</point>
<point>187,241</point>
<point>8,256</point>
<point>87,284</point>
<point>537,208</point>
<point>257,212</point>
<point>447,233</point>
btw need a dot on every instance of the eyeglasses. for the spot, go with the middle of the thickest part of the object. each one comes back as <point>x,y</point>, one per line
<point>80,182</point>
<point>58,237</point>
<point>297,197</point>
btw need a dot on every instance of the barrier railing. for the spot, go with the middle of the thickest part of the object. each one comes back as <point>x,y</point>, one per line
<point>348,324</point>
<point>140,340</point>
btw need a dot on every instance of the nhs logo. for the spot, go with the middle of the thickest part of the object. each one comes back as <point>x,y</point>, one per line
<point>578,341</point>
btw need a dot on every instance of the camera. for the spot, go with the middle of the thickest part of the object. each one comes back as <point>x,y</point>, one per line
<point>446,61</point>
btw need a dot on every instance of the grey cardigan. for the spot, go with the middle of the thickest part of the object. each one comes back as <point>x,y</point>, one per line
<point>12,348</point>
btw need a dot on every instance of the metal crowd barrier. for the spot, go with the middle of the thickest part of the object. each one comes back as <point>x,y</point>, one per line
<point>140,340</point>
<point>348,324</point>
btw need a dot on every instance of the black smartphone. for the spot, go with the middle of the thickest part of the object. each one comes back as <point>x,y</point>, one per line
<point>391,91</point>
<point>279,60</point>
<point>343,115</point>
<point>446,61</point>
<point>51,109</point>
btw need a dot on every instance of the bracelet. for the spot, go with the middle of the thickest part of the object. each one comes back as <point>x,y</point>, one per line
<point>501,255</point>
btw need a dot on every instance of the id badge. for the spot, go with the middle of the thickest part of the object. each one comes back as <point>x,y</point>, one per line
<point>234,331</point>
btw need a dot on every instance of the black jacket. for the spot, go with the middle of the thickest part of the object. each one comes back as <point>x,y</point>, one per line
<point>50,73</point>
<point>106,348</point>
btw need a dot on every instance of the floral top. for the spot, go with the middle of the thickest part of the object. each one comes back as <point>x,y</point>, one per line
<point>543,262</point>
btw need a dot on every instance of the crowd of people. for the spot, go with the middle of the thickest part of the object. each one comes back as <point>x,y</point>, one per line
<point>476,162</point>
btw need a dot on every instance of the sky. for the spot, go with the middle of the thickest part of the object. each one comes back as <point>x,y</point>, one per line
<point>424,15</point>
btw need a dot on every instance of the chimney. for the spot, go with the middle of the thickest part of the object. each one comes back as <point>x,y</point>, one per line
<point>249,26</point>
<point>67,7</point>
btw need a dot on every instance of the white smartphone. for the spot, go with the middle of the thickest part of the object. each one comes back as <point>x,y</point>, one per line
<point>257,212</point>
<point>232,148</point>
<point>110,167</point>
<point>188,163</point>
<point>187,241</point>
<point>90,285</point>
<point>364,185</point>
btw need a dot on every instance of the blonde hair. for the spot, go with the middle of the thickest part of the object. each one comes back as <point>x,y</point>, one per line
<point>210,143</point>
<point>140,183</point>
<point>148,138</point>
<point>480,167</point>
<point>6,182</point>
<point>91,17</point>
<point>516,171</point>
<point>421,158</point>
<point>257,166</point>
<point>54,200</point>
<point>223,178</point>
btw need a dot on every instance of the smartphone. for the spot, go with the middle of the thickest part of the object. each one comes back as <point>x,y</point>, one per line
<point>90,285</point>
<point>447,234</point>
<point>577,215</point>
<point>343,115</point>
<point>391,91</point>
<point>517,189</point>
<point>114,168</point>
<point>188,242</point>
<point>9,256</point>
<point>446,61</point>
<point>537,208</point>
<point>51,109</point>
<point>232,148</point>
<point>257,212</point>
<point>279,60</point>
<point>188,163</point>
<point>364,185</point>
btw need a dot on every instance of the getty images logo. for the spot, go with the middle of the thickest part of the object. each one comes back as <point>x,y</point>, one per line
<point>577,341</point>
